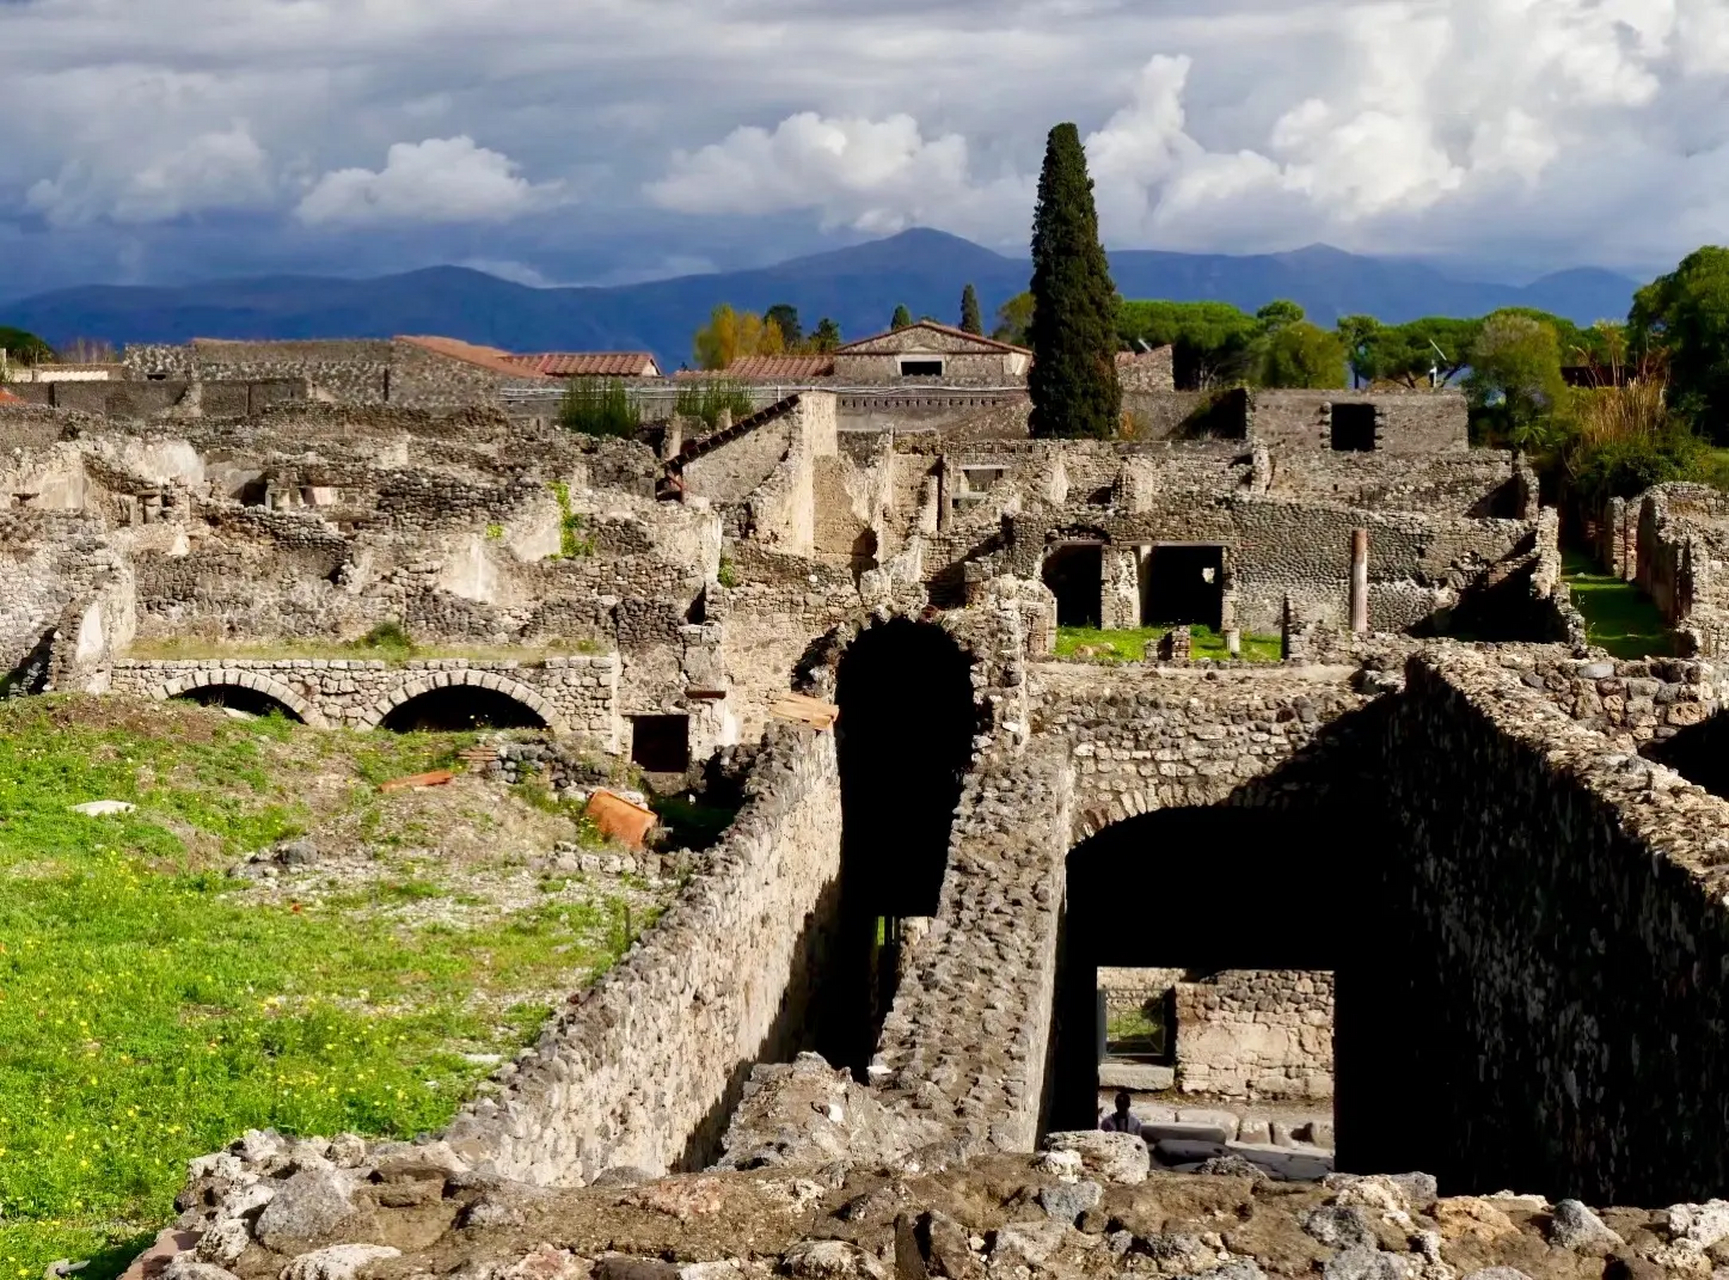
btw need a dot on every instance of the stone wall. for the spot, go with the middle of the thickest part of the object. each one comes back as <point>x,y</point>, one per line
<point>1406,422</point>
<point>576,694</point>
<point>642,1068</point>
<point>1681,550</point>
<point>1147,738</point>
<point>1559,907</point>
<point>1264,1034</point>
<point>354,372</point>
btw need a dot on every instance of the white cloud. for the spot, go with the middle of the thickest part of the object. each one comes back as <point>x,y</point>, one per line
<point>873,175</point>
<point>438,180</point>
<point>211,171</point>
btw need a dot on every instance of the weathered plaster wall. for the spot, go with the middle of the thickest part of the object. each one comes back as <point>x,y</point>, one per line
<point>641,1069</point>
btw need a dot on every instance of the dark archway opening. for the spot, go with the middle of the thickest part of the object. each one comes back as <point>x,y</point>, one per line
<point>904,739</point>
<point>1185,587</point>
<point>1075,573</point>
<point>239,698</point>
<point>459,707</point>
<point>1167,890</point>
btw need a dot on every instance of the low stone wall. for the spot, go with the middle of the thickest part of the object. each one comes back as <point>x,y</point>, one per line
<point>577,694</point>
<point>1256,1033</point>
<point>643,1068</point>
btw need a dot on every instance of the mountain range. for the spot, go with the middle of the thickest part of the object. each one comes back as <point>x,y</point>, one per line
<point>859,287</point>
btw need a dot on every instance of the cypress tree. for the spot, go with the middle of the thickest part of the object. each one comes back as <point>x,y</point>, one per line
<point>902,317</point>
<point>971,321</point>
<point>1073,379</point>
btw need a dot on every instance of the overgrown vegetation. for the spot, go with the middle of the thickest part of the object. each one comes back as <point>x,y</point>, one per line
<point>599,407</point>
<point>1618,616</point>
<point>153,1008</point>
<point>708,398</point>
<point>573,538</point>
<point>1140,643</point>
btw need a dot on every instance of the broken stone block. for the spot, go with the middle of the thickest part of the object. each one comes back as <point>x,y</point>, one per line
<point>1114,1157</point>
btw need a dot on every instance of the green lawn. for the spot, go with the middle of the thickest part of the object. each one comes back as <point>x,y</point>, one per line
<point>153,1007</point>
<point>1090,643</point>
<point>1618,616</point>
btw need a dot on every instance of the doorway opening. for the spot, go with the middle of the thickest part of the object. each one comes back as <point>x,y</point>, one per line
<point>1075,573</point>
<point>1185,586</point>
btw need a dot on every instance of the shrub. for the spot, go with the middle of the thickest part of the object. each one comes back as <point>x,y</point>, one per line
<point>706,399</point>
<point>595,407</point>
<point>389,634</point>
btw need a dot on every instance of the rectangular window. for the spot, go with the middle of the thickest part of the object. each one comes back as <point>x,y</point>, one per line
<point>660,744</point>
<point>1354,428</point>
<point>921,368</point>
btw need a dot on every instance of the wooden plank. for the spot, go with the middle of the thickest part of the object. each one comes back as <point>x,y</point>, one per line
<point>805,710</point>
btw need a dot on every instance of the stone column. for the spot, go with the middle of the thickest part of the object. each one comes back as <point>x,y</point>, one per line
<point>1359,581</point>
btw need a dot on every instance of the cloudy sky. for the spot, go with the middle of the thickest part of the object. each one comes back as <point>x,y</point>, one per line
<point>609,140</point>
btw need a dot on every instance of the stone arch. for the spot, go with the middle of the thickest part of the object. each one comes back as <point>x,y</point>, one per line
<point>427,682</point>
<point>256,681</point>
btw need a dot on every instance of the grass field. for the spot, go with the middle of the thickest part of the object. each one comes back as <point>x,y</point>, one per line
<point>153,1006</point>
<point>1618,616</point>
<point>1090,643</point>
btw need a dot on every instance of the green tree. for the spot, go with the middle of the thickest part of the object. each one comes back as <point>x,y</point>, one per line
<point>1211,341</point>
<point>902,317</point>
<point>1686,315</point>
<point>1073,380</point>
<point>785,316</point>
<point>1515,383</point>
<point>1357,333</point>
<point>1015,320</point>
<point>971,320</point>
<point>1300,354</point>
<point>825,337</point>
<point>1279,313</point>
<point>24,347</point>
<point>1407,353</point>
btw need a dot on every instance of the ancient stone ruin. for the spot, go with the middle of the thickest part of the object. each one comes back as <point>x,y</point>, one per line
<point>1432,888</point>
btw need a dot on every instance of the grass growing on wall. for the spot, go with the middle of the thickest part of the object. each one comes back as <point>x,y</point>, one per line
<point>1618,616</point>
<point>1141,643</point>
<point>153,1008</point>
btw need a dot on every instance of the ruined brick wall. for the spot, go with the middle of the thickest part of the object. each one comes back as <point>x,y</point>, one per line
<point>1558,931</point>
<point>1406,422</point>
<point>1477,482</point>
<point>642,1069</point>
<point>1682,546</point>
<point>1256,1033</point>
<point>336,370</point>
<point>51,563</point>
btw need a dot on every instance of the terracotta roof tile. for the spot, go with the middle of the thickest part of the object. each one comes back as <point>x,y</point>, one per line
<point>793,368</point>
<point>589,364</point>
<point>6,397</point>
<point>490,358</point>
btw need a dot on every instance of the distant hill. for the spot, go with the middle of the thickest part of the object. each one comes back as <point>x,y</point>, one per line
<point>858,286</point>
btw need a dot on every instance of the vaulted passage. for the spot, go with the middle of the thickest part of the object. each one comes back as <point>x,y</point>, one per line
<point>904,739</point>
<point>456,708</point>
<point>1200,889</point>
<point>239,698</point>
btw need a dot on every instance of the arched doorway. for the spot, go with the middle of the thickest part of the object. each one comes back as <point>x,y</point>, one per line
<point>904,738</point>
<point>1202,895</point>
<point>235,697</point>
<point>457,708</point>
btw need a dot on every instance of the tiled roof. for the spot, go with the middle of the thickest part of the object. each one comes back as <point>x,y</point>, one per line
<point>795,368</point>
<point>490,358</point>
<point>589,364</point>
<point>941,328</point>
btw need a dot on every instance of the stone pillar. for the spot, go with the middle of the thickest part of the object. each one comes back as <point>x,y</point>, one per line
<point>723,420</point>
<point>1176,645</point>
<point>1359,582</point>
<point>1234,642</point>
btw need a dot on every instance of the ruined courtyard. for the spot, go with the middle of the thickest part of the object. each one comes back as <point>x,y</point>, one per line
<point>1405,878</point>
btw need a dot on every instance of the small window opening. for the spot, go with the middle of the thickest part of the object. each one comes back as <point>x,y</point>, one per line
<point>1354,428</point>
<point>921,368</point>
<point>660,744</point>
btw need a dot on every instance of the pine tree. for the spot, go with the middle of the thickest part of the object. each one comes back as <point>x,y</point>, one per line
<point>902,317</point>
<point>1073,379</point>
<point>971,321</point>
